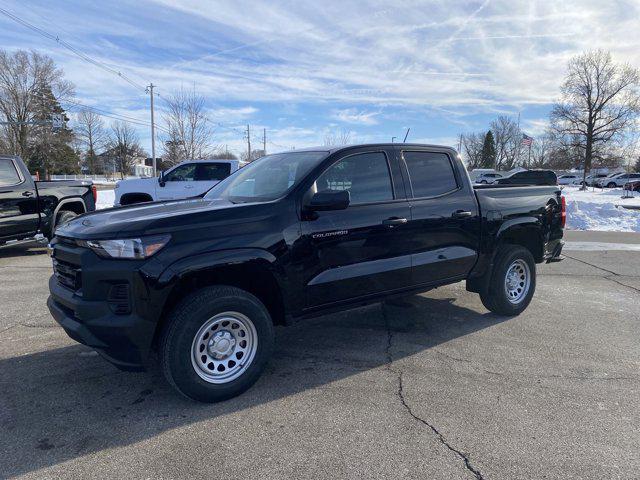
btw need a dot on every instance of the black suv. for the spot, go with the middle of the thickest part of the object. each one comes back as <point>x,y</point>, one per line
<point>203,281</point>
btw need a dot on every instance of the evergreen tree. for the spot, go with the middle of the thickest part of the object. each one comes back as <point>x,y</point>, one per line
<point>638,165</point>
<point>488,151</point>
<point>49,150</point>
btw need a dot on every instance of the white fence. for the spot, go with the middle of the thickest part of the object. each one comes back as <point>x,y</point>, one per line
<point>94,178</point>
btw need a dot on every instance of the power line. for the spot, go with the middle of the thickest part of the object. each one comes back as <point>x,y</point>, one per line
<point>71,48</point>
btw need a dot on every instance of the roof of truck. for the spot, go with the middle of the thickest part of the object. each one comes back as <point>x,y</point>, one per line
<point>333,149</point>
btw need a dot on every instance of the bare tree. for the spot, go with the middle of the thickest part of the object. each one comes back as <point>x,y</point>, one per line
<point>508,139</point>
<point>190,132</point>
<point>92,135</point>
<point>541,150</point>
<point>599,101</point>
<point>338,137</point>
<point>472,148</point>
<point>23,76</point>
<point>124,145</point>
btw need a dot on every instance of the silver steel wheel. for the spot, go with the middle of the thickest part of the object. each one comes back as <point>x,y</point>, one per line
<point>517,281</point>
<point>224,347</point>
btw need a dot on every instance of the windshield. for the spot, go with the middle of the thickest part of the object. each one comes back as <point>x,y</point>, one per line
<point>267,178</point>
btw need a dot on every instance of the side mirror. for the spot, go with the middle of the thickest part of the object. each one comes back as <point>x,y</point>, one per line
<point>329,200</point>
<point>161,181</point>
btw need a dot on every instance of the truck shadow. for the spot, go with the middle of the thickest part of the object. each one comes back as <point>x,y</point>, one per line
<point>65,403</point>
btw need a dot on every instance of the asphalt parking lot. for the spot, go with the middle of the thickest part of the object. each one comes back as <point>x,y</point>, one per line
<point>433,386</point>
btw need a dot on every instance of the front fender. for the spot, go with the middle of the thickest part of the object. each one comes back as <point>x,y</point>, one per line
<point>218,258</point>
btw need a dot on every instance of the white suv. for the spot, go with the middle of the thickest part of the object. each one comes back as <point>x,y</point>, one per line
<point>187,179</point>
<point>618,180</point>
<point>485,178</point>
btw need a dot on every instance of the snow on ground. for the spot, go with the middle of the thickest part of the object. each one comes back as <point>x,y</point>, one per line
<point>105,198</point>
<point>601,209</point>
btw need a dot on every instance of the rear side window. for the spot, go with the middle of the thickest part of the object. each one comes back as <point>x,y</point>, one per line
<point>8,173</point>
<point>212,171</point>
<point>365,176</point>
<point>431,174</point>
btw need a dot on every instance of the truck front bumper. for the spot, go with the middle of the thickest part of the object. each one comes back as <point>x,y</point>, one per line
<point>123,340</point>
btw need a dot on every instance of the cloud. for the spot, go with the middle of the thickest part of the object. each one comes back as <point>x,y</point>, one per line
<point>305,64</point>
<point>352,115</point>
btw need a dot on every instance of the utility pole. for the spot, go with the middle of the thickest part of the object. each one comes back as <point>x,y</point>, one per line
<point>264,141</point>
<point>248,143</point>
<point>153,131</point>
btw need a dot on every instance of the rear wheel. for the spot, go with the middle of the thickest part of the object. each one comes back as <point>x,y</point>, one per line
<point>512,283</point>
<point>61,218</point>
<point>216,343</point>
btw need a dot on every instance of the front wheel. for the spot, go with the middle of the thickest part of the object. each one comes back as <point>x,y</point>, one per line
<point>611,185</point>
<point>216,344</point>
<point>512,283</point>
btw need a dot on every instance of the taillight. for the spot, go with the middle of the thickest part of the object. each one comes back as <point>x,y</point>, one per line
<point>94,191</point>
<point>563,211</point>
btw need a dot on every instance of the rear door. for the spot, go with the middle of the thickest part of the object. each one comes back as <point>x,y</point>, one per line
<point>18,202</point>
<point>445,224</point>
<point>362,250</point>
<point>207,175</point>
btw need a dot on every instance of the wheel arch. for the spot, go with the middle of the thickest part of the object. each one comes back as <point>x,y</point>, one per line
<point>140,196</point>
<point>74,204</point>
<point>251,270</point>
<point>526,232</point>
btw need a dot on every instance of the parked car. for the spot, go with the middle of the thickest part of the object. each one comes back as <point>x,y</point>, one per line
<point>602,182</point>
<point>187,179</point>
<point>292,235</point>
<point>487,178</point>
<point>620,180</point>
<point>591,180</point>
<point>529,177</point>
<point>31,210</point>
<point>569,179</point>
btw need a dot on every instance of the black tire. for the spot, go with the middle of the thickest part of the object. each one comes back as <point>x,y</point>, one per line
<point>186,321</point>
<point>61,218</point>
<point>611,185</point>
<point>496,298</point>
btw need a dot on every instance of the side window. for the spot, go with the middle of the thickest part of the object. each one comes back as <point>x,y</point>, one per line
<point>183,173</point>
<point>365,176</point>
<point>212,171</point>
<point>430,173</point>
<point>8,173</point>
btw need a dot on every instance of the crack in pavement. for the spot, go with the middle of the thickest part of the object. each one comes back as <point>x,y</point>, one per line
<point>400,393</point>
<point>607,277</point>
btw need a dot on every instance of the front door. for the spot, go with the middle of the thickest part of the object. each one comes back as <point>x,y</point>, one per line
<point>361,250</point>
<point>178,183</point>
<point>18,203</point>
<point>445,223</point>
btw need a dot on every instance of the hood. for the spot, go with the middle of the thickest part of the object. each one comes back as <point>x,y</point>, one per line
<point>151,218</point>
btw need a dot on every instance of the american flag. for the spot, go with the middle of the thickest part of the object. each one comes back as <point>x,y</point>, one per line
<point>527,140</point>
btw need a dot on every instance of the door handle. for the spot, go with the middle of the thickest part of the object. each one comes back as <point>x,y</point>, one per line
<point>461,214</point>
<point>390,222</point>
<point>28,193</point>
<point>188,186</point>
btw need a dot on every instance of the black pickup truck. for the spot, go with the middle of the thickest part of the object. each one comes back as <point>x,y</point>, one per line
<point>201,282</point>
<point>31,210</point>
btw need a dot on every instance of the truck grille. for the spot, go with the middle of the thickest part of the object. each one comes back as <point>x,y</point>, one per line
<point>67,274</point>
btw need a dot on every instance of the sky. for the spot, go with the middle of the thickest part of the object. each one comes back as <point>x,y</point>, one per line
<point>303,70</point>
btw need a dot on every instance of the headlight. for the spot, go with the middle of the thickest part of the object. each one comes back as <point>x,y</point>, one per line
<point>129,248</point>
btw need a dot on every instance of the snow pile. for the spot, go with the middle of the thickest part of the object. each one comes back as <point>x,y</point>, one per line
<point>601,209</point>
<point>105,199</point>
